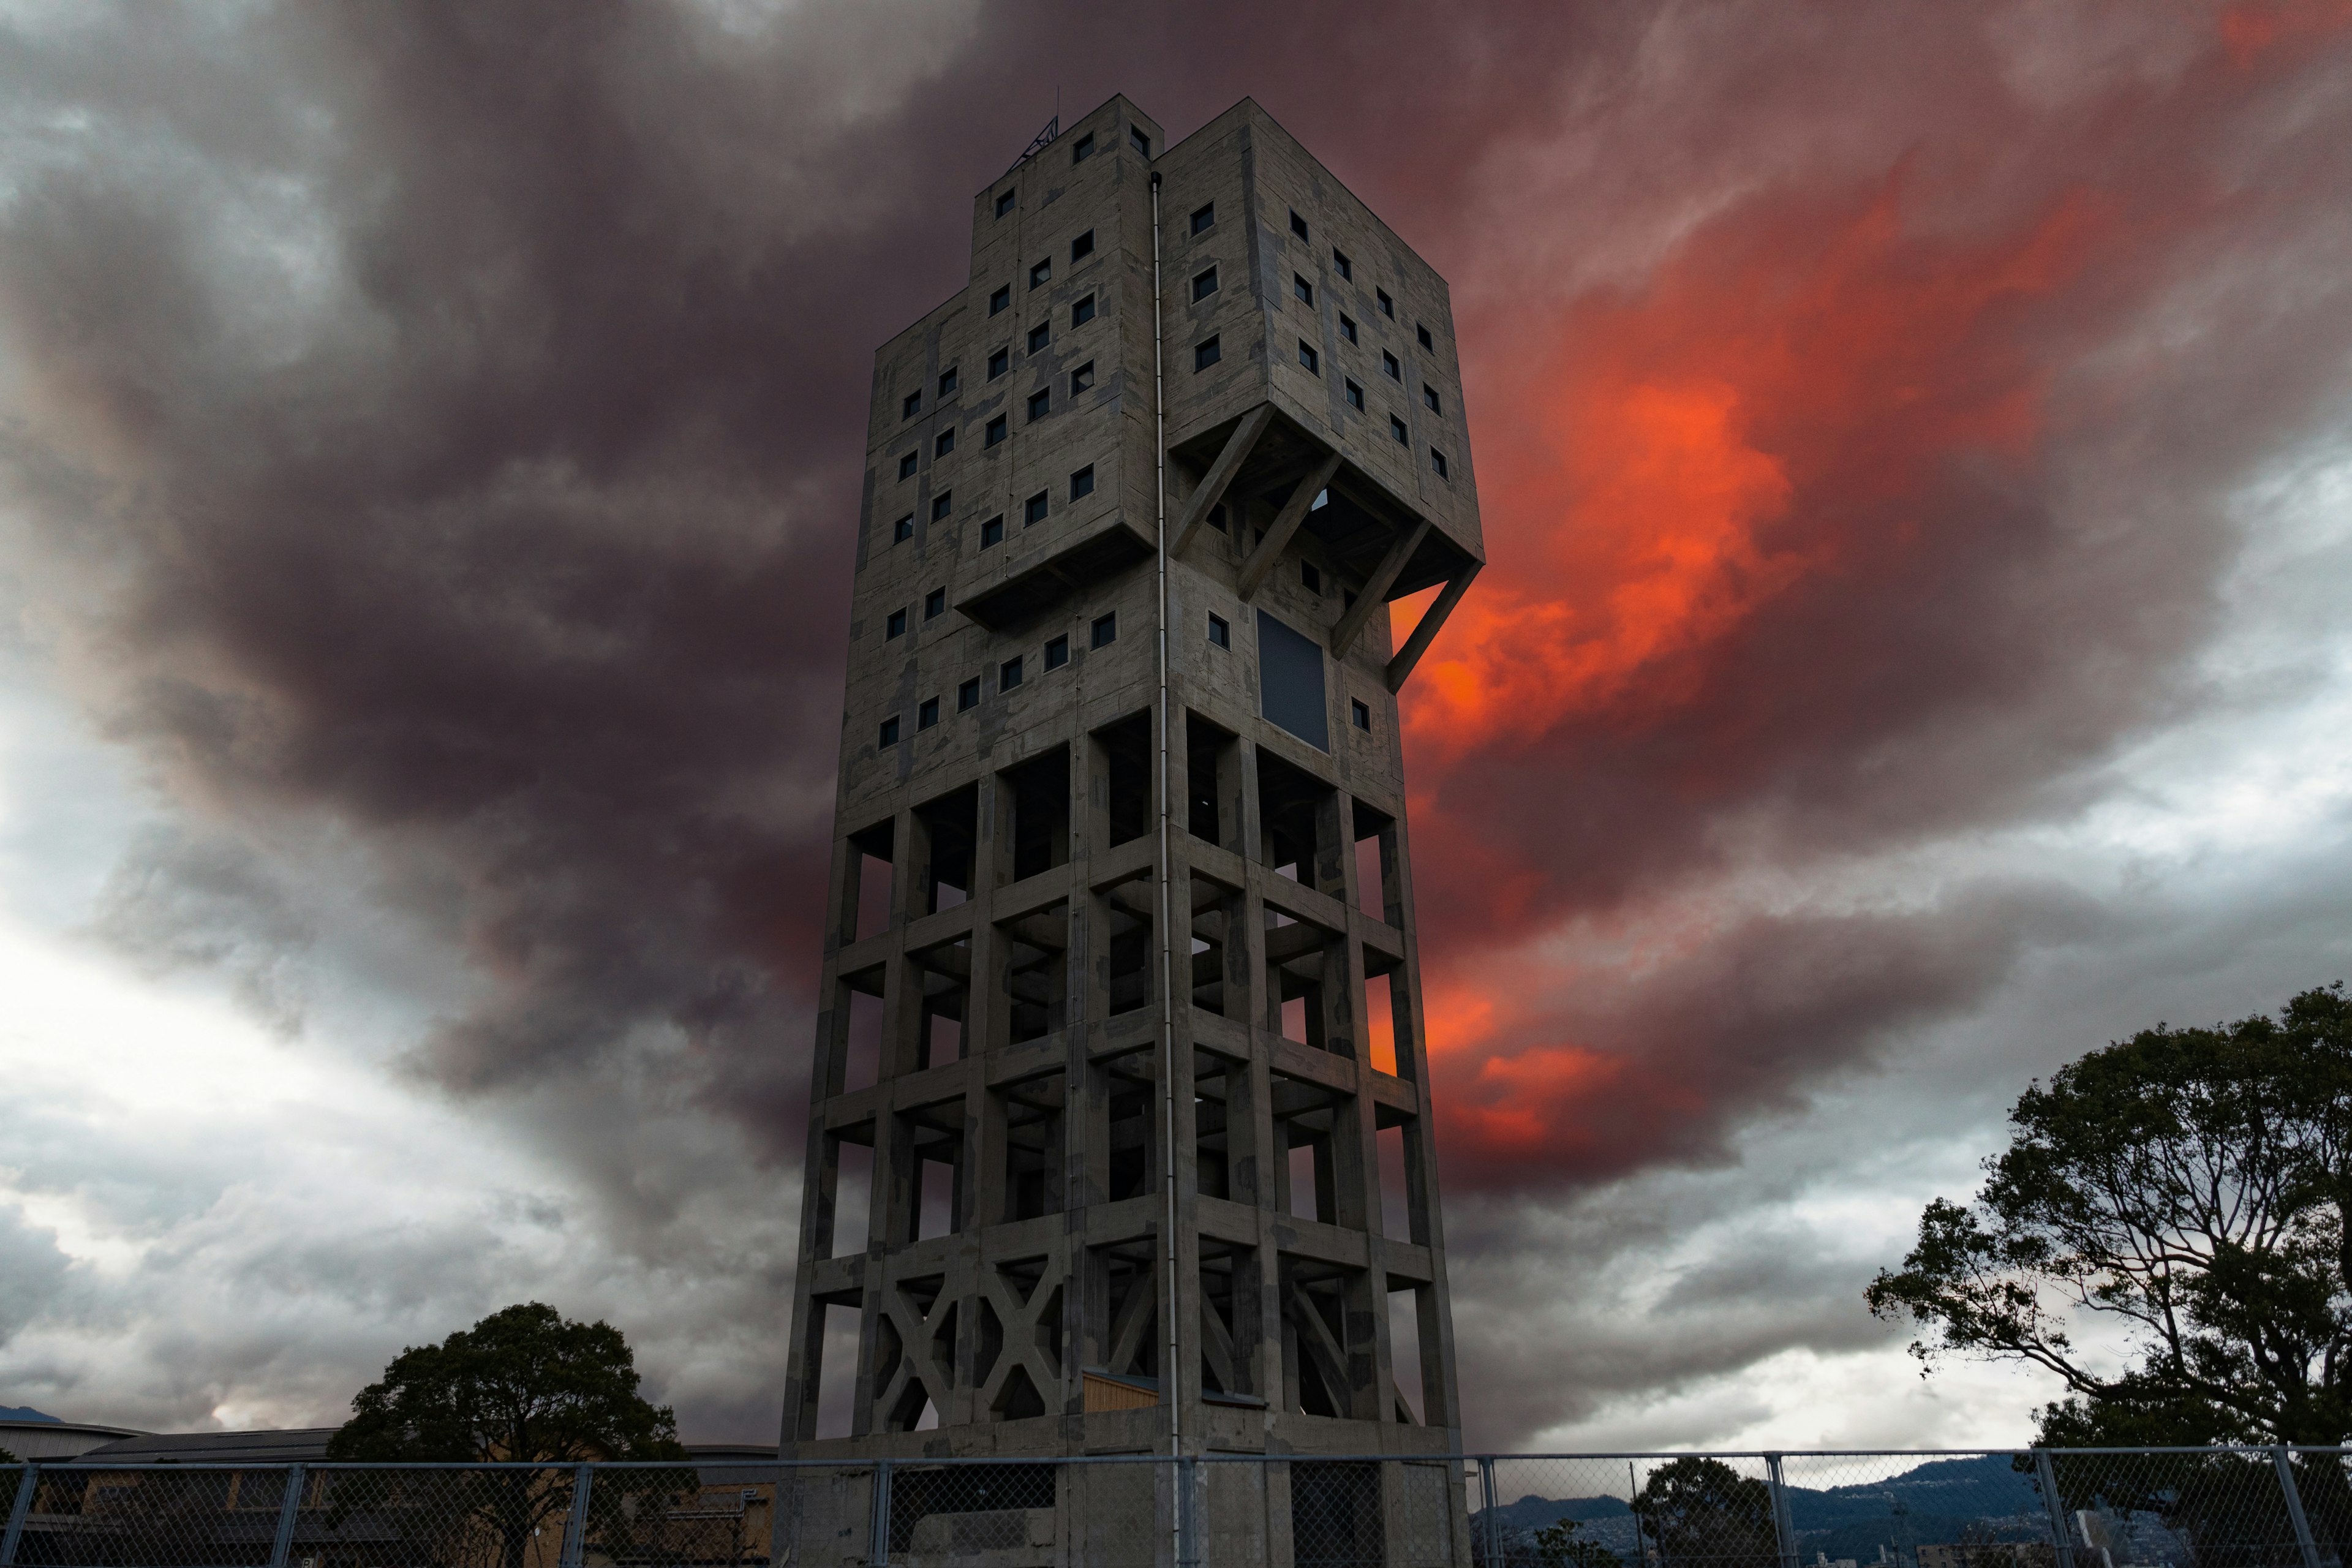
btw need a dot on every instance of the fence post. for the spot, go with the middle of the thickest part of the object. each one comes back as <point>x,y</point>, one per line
<point>287,1512</point>
<point>878,1549</point>
<point>2294,1507</point>
<point>2062,1538</point>
<point>576,1518</point>
<point>1783,1527</point>
<point>1494,1526</point>
<point>27,1480</point>
<point>1188,1520</point>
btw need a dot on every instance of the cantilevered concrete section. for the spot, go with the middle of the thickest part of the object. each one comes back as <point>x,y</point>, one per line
<point>1045,997</point>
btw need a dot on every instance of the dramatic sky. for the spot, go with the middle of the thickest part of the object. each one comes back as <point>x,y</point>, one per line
<point>1916,443</point>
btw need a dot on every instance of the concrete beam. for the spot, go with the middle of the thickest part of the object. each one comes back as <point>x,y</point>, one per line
<point>1373,595</point>
<point>1221,474</point>
<point>1431,619</point>
<point>1278,538</point>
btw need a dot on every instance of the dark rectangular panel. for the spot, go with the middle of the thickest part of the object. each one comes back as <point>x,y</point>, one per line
<point>1290,682</point>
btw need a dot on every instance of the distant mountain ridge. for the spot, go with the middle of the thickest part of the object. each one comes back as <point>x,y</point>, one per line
<point>27,1412</point>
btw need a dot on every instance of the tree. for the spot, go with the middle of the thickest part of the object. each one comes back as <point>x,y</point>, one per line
<point>524,1385</point>
<point>1698,1509</point>
<point>2192,1183</point>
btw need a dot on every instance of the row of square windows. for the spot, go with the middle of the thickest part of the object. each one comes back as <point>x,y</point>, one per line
<point>1080,150</point>
<point>1032,510</point>
<point>1012,671</point>
<point>1041,403</point>
<point>1001,361</point>
<point>1204,285</point>
<point>1208,351</point>
<point>1010,674</point>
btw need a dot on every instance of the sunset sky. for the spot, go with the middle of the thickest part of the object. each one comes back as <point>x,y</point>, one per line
<point>1915,451</point>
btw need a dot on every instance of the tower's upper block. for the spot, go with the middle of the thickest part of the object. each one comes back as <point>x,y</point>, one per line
<point>1282,289</point>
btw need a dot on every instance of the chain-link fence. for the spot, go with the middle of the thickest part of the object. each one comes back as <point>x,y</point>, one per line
<point>2202,1508</point>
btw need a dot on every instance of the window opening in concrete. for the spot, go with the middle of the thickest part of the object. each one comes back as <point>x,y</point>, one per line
<point>1039,336</point>
<point>1082,483</point>
<point>903,530</point>
<point>1348,330</point>
<point>861,1040</point>
<point>1396,1219</point>
<point>1309,1120</point>
<point>910,406</point>
<point>942,504</point>
<point>1004,200</point>
<point>1123,1333</point>
<point>1216,914</point>
<point>1129,1087</point>
<point>1008,675</point>
<point>1310,576</point>
<point>1205,283</point>
<point>1437,462</point>
<point>1212,778</point>
<point>992,437</point>
<point>968,695</point>
<point>1429,396</point>
<point>1390,367</point>
<point>1375,834</point>
<point>1341,265</point>
<point>1204,216</point>
<point>932,1150</point>
<point>1058,651</point>
<point>1217,520</point>
<point>1105,630</point>
<point>1036,996</point>
<point>1124,756</point>
<point>889,732</point>
<point>935,1214</point>
<point>928,713</point>
<point>1221,632</point>
<point>1397,430</point>
<point>992,532</point>
<point>853,1192</point>
<point>943,443</point>
<point>1083,378</point>
<point>951,825</point>
<point>1041,274</point>
<point>1404,1354</point>
<point>1388,306</point>
<point>948,382</point>
<point>1033,1335</point>
<point>1421,335</point>
<point>867,891</point>
<point>1213,1134</point>
<point>1083,150</point>
<point>1304,1198</point>
<point>1083,312</point>
<point>1228,1298</point>
<point>999,363</point>
<point>1303,288</point>
<point>935,604</point>
<point>1359,712</point>
<point>1033,1147</point>
<point>1032,510</point>
<point>907,466</point>
<point>1379,1023</point>
<point>1316,1342</point>
<point>1298,224</point>
<point>836,1374</point>
<point>1083,247</point>
<point>1290,682</point>
<point>1037,795</point>
<point>1206,353</point>
<point>1142,142</point>
<point>894,624</point>
<point>1128,911</point>
<point>1297,822</point>
<point>1355,398</point>
<point>1309,358</point>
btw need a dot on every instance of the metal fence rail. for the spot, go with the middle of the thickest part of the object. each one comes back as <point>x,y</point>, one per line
<point>2107,1508</point>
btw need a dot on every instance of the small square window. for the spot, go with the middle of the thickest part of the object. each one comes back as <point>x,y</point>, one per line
<point>1341,265</point>
<point>1008,674</point>
<point>1004,200</point>
<point>1032,510</point>
<point>1106,630</point>
<point>928,714</point>
<point>1083,378</point>
<point>992,532</point>
<point>1309,577</point>
<point>1421,332</point>
<point>1141,142</point>
<point>890,731</point>
<point>1362,713</point>
<point>935,604</point>
<point>1057,652</point>
<point>903,530</point>
<point>1301,288</point>
<point>995,431</point>
<point>968,695</point>
<point>1389,363</point>
<point>1042,274</point>
<point>942,504</point>
<point>1205,354</point>
<point>1203,217</point>
<point>1040,403</point>
<point>1429,396</point>
<point>948,382</point>
<point>1220,633</point>
<point>1082,483</point>
<point>1084,246</point>
<point>1083,150</point>
<point>999,363</point>
<point>1387,305</point>
<point>1204,284</point>
<point>1308,357</point>
<point>1355,398</point>
<point>895,626</point>
<point>1298,224</point>
<point>943,443</point>
<point>1437,461</point>
<point>1039,336</point>
<point>907,465</point>
<point>1397,429</point>
<point>910,406</point>
<point>1001,299</point>
<point>1083,312</point>
<point>1348,327</point>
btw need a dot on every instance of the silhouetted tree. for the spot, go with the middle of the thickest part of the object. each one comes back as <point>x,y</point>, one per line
<point>1700,1511</point>
<point>1558,1545</point>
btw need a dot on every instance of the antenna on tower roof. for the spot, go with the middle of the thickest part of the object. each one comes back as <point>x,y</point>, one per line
<point>1039,142</point>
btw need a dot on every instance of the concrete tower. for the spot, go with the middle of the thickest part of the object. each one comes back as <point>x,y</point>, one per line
<point>1069,1037</point>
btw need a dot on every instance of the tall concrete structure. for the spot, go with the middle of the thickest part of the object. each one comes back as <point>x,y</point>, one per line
<point>1120,1128</point>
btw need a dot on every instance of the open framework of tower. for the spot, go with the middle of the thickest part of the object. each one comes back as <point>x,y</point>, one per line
<point>985,1230</point>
